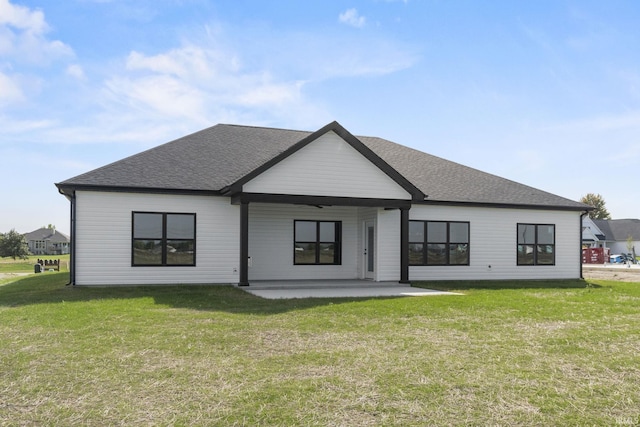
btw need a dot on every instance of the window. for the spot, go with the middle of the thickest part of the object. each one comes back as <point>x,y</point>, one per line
<point>536,244</point>
<point>163,239</point>
<point>316,242</point>
<point>438,243</point>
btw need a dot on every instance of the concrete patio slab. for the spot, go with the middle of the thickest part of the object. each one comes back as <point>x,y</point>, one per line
<point>336,289</point>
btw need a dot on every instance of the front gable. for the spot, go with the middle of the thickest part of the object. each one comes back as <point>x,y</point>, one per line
<point>331,163</point>
<point>591,232</point>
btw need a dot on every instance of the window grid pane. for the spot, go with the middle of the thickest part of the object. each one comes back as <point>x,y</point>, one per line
<point>436,232</point>
<point>306,231</point>
<point>546,234</point>
<point>327,232</point>
<point>305,253</point>
<point>180,226</point>
<point>525,255</point>
<point>459,232</point>
<point>147,226</point>
<point>416,231</point>
<point>545,255</point>
<point>180,252</point>
<point>459,254</point>
<point>416,254</point>
<point>436,254</point>
<point>327,253</point>
<point>147,252</point>
<point>526,234</point>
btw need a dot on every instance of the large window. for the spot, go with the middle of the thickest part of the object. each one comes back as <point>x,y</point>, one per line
<point>163,239</point>
<point>536,244</point>
<point>316,242</point>
<point>438,243</point>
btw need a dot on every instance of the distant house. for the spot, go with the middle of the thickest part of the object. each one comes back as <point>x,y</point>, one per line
<point>592,235</point>
<point>620,235</point>
<point>47,241</point>
<point>239,204</point>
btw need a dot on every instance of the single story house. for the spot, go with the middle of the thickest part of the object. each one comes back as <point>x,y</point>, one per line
<point>236,204</point>
<point>47,241</point>
<point>592,235</point>
<point>620,235</point>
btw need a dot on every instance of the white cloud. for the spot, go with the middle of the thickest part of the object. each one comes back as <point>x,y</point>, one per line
<point>22,36</point>
<point>22,18</point>
<point>23,41</point>
<point>195,82</point>
<point>351,17</point>
<point>271,94</point>
<point>191,61</point>
<point>76,71</point>
<point>163,94</point>
<point>210,78</point>
<point>10,91</point>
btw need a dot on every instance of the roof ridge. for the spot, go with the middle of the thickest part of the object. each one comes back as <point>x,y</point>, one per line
<point>263,127</point>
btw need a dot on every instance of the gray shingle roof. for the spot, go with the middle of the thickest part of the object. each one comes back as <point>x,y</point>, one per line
<point>619,229</point>
<point>47,234</point>
<point>216,157</point>
<point>206,160</point>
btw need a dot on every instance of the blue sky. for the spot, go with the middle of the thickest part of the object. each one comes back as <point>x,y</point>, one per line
<point>546,93</point>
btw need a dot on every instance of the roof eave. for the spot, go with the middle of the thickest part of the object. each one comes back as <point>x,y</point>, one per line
<point>502,205</point>
<point>69,189</point>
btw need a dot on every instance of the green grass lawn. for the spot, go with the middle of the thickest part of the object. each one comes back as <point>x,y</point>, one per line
<point>9,265</point>
<point>524,353</point>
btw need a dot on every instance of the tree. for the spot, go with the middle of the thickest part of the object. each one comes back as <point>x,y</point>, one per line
<point>597,201</point>
<point>13,244</point>
<point>630,246</point>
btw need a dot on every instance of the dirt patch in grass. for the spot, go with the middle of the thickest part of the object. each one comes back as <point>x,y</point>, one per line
<point>614,274</point>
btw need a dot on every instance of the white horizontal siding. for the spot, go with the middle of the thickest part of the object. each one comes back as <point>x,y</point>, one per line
<point>493,244</point>
<point>388,245</point>
<point>327,166</point>
<point>103,239</point>
<point>271,242</point>
<point>623,247</point>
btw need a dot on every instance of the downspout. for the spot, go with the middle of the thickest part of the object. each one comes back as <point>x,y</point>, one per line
<point>582,215</point>
<point>72,249</point>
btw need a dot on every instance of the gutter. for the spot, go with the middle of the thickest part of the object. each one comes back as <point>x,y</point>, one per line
<point>67,189</point>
